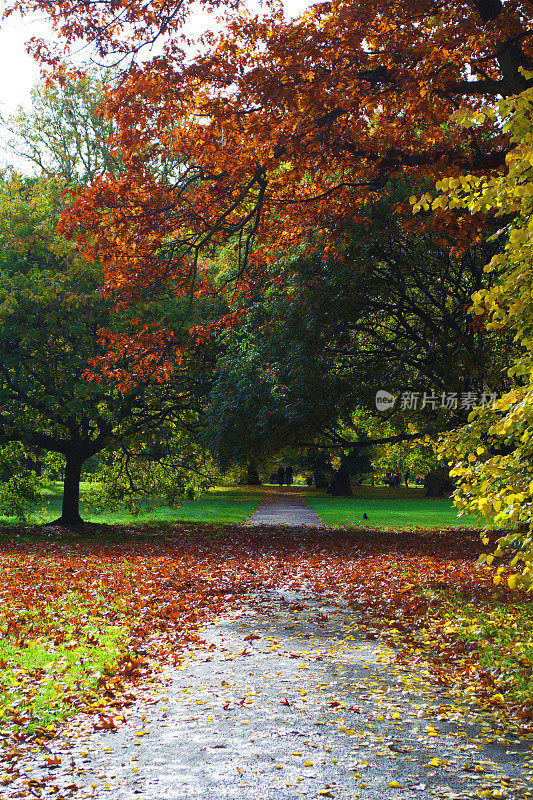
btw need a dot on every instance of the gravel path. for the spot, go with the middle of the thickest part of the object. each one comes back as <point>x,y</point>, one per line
<point>285,509</point>
<point>292,699</point>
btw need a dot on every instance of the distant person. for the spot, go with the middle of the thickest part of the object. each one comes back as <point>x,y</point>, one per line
<point>407,476</point>
<point>288,476</point>
<point>281,475</point>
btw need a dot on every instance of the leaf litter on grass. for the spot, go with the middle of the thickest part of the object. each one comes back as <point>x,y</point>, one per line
<point>142,598</point>
<point>290,697</point>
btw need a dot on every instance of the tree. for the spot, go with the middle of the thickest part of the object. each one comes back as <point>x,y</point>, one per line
<point>51,313</point>
<point>285,129</point>
<point>492,455</point>
<point>157,467</point>
<point>265,387</point>
<point>389,312</point>
<point>19,484</point>
<point>66,134</point>
<point>392,307</point>
<point>281,124</point>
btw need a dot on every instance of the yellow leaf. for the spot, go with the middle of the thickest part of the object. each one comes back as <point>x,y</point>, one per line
<point>513,581</point>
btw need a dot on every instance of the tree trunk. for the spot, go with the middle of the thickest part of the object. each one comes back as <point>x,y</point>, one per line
<point>70,512</point>
<point>340,485</point>
<point>433,485</point>
<point>319,479</point>
<point>252,476</point>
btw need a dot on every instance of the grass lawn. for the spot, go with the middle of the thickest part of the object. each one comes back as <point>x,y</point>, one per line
<point>58,649</point>
<point>221,504</point>
<point>386,508</point>
<point>390,508</point>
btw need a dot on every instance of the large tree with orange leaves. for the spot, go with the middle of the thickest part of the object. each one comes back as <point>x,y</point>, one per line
<point>280,129</point>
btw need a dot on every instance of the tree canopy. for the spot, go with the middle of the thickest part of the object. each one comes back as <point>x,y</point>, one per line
<point>282,127</point>
<point>492,455</point>
<point>66,134</point>
<point>388,312</point>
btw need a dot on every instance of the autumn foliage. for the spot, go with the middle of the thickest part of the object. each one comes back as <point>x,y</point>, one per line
<point>277,131</point>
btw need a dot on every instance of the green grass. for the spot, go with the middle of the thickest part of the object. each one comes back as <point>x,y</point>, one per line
<point>221,504</point>
<point>43,676</point>
<point>401,507</point>
<point>388,508</point>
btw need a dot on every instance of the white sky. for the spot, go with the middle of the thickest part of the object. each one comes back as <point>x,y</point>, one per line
<point>18,71</point>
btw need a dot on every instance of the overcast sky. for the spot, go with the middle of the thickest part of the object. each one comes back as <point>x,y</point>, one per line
<point>18,72</point>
